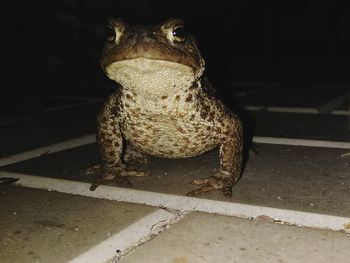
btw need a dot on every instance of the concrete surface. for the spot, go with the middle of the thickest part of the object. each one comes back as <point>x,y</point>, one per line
<point>42,226</point>
<point>212,238</point>
<point>299,178</point>
<point>305,126</point>
<point>182,204</point>
<point>288,95</point>
<point>48,128</point>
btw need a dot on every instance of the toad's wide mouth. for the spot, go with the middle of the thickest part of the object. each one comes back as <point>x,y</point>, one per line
<point>151,75</point>
<point>142,65</point>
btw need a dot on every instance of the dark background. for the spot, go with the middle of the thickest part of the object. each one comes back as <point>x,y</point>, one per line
<point>55,45</point>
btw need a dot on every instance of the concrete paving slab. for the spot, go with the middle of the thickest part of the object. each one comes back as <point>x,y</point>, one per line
<point>295,96</point>
<point>176,205</point>
<point>346,105</point>
<point>290,177</point>
<point>42,226</point>
<point>305,126</point>
<point>48,149</point>
<point>48,128</point>
<point>212,238</point>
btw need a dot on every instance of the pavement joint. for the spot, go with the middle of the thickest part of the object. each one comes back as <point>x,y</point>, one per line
<point>301,142</point>
<point>91,138</point>
<point>296,110</point>
<point>61,146</point>
<point>118,245</point>
<point>184,203</point>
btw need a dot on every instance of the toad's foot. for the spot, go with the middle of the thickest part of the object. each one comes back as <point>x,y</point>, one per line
<point>117,172</point>
<point>101,180</point>
<point>92,168</point>
<point>220,181</point>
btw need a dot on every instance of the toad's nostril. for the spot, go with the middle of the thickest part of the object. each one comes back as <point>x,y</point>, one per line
<point>146,36</point>
<point>148,39</point>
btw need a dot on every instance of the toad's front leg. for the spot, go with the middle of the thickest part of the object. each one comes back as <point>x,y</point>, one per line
<point>231,155</point>
<point>110,140</point>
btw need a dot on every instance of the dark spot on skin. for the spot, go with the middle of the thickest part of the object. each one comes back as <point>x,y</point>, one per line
<point>116,144</point>
<point>208,128</point>
<point>108,141</point>
<point>192,117</point>
<point>148,135</point>
<point>127,105</point>
<point>110,162</point>
<point>177,97</point>
<point>227,132</point>
<point>194,86</point>
<point>164,106</point>
<point>189,98</point>
<point>180,130</point>
<point>204,114</point>
<point>164,97</point>
<point>114,110</point>
<point>211,115</point>
<point>192,149</point>
<point>128,96</point>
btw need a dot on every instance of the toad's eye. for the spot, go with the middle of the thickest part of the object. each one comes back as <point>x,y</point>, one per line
<point>179,33</point>
<point>114,33</point>
<point>110,34</point>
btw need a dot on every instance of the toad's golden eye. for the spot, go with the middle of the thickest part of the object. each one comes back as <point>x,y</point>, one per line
<point>110,33</point>
<point>114,32</point>
<point>179,33</point>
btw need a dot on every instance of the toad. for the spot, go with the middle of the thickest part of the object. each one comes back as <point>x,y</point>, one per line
<point>164,106</point>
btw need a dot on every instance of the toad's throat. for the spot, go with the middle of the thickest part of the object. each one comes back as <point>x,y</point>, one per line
<point>150,76</point>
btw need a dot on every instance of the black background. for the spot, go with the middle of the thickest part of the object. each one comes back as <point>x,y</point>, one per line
<point>55,45</point>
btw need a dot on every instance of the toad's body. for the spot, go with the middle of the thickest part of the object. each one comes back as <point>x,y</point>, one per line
<point>164,106</point>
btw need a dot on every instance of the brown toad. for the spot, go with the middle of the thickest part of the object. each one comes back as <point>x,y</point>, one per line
<point>164,106</point>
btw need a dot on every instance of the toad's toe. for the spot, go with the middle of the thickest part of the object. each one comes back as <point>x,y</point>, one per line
<point>212,183</point>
